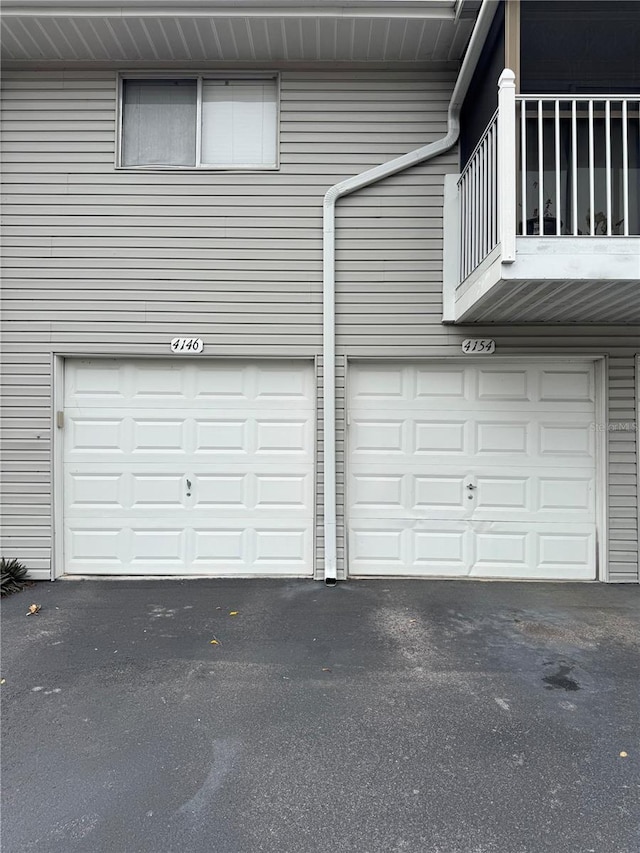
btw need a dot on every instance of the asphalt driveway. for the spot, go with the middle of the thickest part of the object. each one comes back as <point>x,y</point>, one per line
<point>382,716</point>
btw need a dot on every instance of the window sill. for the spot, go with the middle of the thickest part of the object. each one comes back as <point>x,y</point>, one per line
<point>251,169</point>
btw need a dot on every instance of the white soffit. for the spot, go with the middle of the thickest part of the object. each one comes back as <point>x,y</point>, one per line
<point>242,32</point>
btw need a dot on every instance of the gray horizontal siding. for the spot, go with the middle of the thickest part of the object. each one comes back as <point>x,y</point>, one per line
<point>623,470</point>
<point>392,307</point>
<point>117,262</point>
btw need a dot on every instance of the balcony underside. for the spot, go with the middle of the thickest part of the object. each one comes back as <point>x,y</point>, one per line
<point>555,280</point>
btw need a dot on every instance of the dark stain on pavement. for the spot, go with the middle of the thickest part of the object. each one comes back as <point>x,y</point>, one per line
<point>560,680</point>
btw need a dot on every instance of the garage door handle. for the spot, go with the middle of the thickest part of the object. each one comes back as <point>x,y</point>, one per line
<point>471,487</point>
<point>188,488</point>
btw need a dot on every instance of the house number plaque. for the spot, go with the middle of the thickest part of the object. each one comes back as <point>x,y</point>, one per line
<point>478,346</point>
<point>187,346</point>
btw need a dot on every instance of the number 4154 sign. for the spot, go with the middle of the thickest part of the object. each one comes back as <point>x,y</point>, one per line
<point>478,346</point>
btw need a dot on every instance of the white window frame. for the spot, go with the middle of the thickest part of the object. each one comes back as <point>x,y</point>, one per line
<point>198,76</point>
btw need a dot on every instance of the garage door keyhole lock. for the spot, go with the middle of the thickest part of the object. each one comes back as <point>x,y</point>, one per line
<point>471,487</point>
<point>188,488</point>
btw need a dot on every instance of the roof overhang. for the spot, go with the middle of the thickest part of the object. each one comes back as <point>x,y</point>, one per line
<point>247,32</point>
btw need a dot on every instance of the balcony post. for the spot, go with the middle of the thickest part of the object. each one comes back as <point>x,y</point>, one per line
<point>507,165</point>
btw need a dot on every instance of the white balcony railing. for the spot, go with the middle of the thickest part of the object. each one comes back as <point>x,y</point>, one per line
<point>478,193</point>
<point>550,166</point>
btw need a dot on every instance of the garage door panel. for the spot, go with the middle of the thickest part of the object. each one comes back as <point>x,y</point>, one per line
<point>231,493</point>
<point>502,549</point>
<point>95,382</point>
<point>378,436</point>
<point>150,491</point>
<point>522,496</point>
<point>519,388</point>
<point>100,383</point>
<point>154,382</point>
<point>283,491</point>
<point>573,439</point>
<point>437,492</point>
<point>455,549</point>
<point>514,385</point>
<point>90,546</point>
<point>500,439</point>
<point>96,490</point>
<point>221,435</point>
<point>450,383</point>
<point>158,434</point>
<point>228,385</point>
<point>221,491</point>
<point>390,547</point>
<point>221,548</point>
<point>478,448</point>
<point>94,434</point>
<point>384,383</point>
<point>277,384</point>
<point>378,490</point>
<point>504,494</point>
<point>567,494</point>
<point>440,550</point>
<point>280,548</point>
<point>150,546</point>
<point>541,552</point>
<point>220,482</point>
<point>560,550</point>
<point>283,435</point>
<point>503,438</point>
<point>377,549</point>
<point>438,436</point>
<point>265,492</point>
<point>568,385</point>
<point>154,436</point>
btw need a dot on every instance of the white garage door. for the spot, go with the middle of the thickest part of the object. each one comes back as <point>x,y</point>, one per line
<point>188,468</point>
<point>477,470</point>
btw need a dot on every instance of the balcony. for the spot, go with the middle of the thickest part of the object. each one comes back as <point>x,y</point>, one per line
<point>543,224</point>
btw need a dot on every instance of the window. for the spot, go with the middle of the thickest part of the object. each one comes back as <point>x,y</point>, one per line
<point>199,122</point>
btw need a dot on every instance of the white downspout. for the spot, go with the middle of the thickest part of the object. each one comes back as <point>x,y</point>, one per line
<point>350,185</point>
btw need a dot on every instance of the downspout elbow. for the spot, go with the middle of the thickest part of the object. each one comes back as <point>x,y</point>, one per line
<point>365,179</point>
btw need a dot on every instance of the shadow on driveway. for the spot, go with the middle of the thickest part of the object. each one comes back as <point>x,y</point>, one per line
<point>379,716</point>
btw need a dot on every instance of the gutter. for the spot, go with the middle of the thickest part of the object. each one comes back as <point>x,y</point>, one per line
<point>344,188</point>
<point>418,9</point>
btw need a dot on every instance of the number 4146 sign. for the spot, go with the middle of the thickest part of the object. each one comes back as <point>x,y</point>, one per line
<point>187,346</point>
<point>478,346</point>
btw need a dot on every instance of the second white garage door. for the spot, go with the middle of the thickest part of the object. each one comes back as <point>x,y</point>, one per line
<point>486,471</point>
<point>190,467</point>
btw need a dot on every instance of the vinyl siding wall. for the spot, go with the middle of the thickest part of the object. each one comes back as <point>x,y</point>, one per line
<point>118,262</point>
<point>100,261</point>
<point>389,305</point>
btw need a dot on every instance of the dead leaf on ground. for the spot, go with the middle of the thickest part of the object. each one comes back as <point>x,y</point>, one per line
<point>33,608</point>
<point>233,612</point>
<point>411,621</point>
<point>2,680</point>
<point>326,669</point>
<point>623,754</point>
<point>214,642</point>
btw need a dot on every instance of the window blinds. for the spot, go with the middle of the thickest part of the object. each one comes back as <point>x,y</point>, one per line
<point>239,123</point>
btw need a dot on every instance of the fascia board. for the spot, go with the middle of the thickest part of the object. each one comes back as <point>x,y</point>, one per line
<point>420,9</point>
